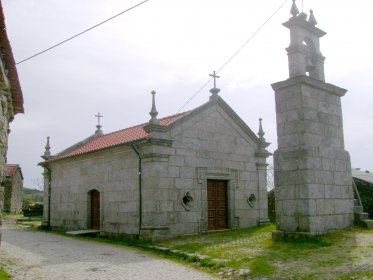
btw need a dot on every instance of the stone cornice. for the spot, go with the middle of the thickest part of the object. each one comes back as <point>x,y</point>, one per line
<point>156,141</point>
<point>305,80</point>
<point>155,127</point>
<point>300,21</point>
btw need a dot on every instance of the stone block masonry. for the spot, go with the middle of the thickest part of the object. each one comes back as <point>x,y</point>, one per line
<point>312,169</point>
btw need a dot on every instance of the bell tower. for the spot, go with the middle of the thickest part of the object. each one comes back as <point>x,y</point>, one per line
<point>304,53</point>
<point>313,181</point>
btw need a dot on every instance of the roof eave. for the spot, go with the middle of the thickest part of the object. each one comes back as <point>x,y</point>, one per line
<point>51,159</point>
<point>6,50</point>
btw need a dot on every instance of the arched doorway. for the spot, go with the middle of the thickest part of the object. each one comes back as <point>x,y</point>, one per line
<point>95,209</point>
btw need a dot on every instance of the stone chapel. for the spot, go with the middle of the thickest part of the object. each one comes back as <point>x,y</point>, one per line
<point>192,172</point>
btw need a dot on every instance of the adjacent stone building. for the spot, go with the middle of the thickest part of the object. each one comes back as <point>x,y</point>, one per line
<point>11,100</point>
<point>13,188</point>
<point>312,169</point>
<point>192,172</point>
<point>364,184</point>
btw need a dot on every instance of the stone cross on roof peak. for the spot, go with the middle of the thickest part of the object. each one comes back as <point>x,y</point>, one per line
<point>98,130</point>
<point>214,76</point>
<point>98,116</point>
<point>214,90</point>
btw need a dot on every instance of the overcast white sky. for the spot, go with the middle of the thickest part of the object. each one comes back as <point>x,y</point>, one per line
<point>172,47</point>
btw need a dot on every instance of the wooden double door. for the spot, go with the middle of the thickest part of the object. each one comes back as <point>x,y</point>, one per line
<point>95,209</point>
<point>217,201</point>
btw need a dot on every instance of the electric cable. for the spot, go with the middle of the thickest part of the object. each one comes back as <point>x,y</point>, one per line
<point>81,33</point>
<point>235,54</point>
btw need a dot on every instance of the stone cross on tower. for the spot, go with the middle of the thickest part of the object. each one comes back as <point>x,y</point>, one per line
<point>98,130</point>
<point>214,90</point>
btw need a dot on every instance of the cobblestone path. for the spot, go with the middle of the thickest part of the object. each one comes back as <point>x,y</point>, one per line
<point>32,255</point>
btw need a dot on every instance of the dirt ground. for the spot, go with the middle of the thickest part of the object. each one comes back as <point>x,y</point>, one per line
<point>34,255</point>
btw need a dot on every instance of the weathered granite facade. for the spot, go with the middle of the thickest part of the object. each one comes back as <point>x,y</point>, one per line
<point>157,186</point>
<point>312,169</point>
<point>11,100</point>
<point>13,188</point>
<point>4,120</point>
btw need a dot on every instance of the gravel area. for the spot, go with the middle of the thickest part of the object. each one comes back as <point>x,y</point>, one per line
<point>31,255</point>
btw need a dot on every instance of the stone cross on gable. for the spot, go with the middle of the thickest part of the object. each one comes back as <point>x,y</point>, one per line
<point>98,130</point>
<point>214,76</point>
<point>98,116</point>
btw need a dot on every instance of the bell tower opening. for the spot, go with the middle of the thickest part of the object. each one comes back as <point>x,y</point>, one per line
<point>304,55</point>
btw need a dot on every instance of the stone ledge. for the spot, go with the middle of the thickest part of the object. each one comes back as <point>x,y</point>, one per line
<point>279,235</point>
<point>195,257</point>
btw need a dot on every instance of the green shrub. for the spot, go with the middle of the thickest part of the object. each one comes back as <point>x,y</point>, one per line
<point>33,210</point>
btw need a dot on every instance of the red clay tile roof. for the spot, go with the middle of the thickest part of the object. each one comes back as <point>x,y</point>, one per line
<point>10,169</point>
<point>6,51</point>
<point>116,138</point>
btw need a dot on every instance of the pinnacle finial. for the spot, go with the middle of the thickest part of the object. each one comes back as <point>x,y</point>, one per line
<point>262,145</point>
<point>47,152</point>
<point>261,132</point>
<point>98,130</point>
<point>294,9</point>
<point>153,113</point>
<point>312,19</point>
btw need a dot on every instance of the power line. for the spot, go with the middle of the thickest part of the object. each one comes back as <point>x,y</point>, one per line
<point>81,33</point>
<point>235,54</point>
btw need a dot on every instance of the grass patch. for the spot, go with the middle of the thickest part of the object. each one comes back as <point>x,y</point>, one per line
<point>308,241</point>
<point>316,257</point>
<point>34,223</point>
<point>10,215</point>
<point>261,267</point>
<point>3,274</point>
<point>189,247</point>
<point>356,275</point>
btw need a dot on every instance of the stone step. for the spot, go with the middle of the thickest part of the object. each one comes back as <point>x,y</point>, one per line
<point>361,216</point>
<point>356,202</point>
<point>369,223</point>
<point>83,232</point>
<point>358,209</point>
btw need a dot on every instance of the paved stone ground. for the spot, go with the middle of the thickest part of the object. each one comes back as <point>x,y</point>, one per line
<point>32,255</point>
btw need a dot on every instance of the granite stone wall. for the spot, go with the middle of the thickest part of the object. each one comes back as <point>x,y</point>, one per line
<point>13,191</point>
<point>4,124</point>
<point>113,173</point>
